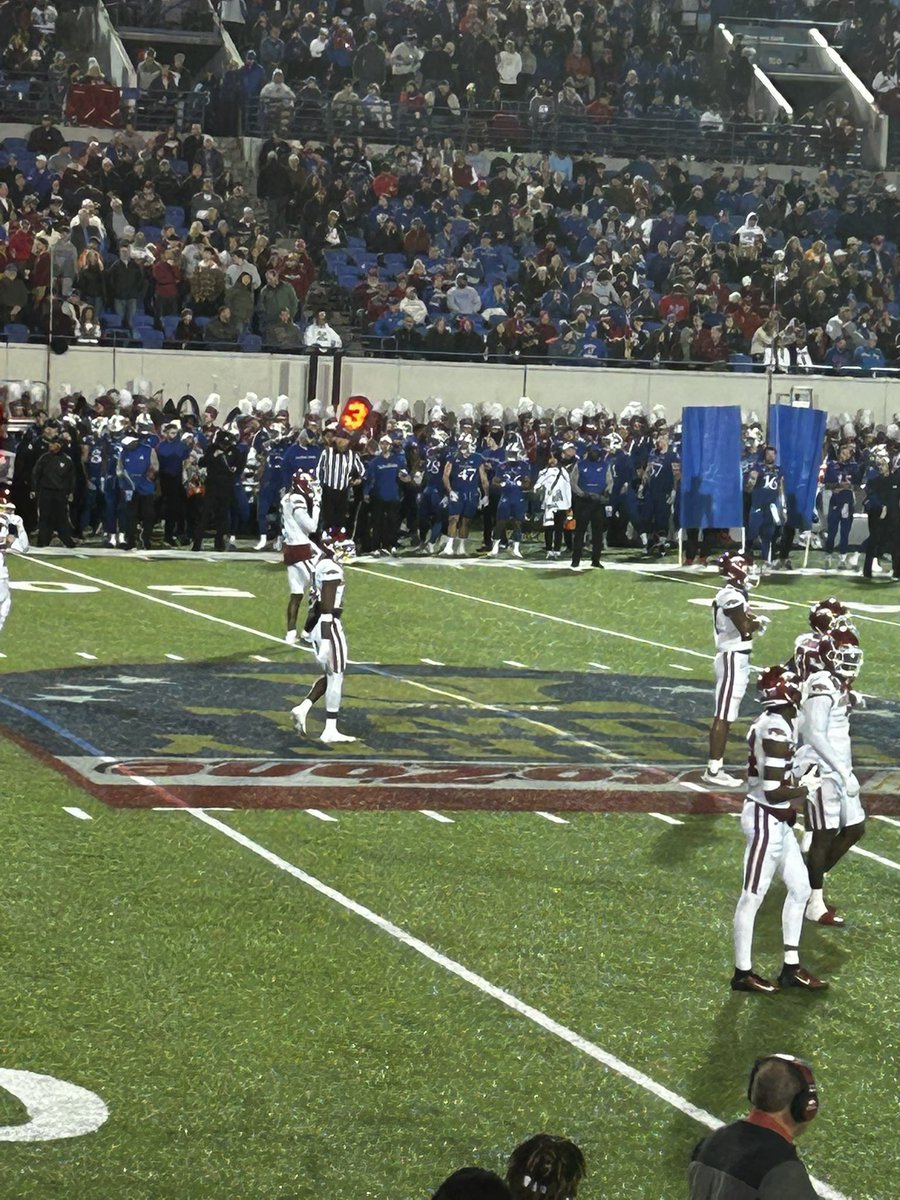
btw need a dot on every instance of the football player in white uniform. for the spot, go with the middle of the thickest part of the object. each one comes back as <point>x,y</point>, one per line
<point>834,813</point>
<point>299,522</point>
<point>733,628</point>
<point>766,820</point>
<point>822,617</point>
<point>12,537</point>
<point>327,637</point>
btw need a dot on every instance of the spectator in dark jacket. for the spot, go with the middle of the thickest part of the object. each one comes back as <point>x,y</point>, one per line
<point>125,285</point>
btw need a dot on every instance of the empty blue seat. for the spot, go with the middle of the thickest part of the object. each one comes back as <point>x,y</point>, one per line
<point>16,332</point>
<point>174,214</point>
<point>110,320</point>
<point>250,343</point>
<point>202,321</point>
<point>150,339</point>
<point>152,233</point>
<point>741,363</point>
<point>170,324</point>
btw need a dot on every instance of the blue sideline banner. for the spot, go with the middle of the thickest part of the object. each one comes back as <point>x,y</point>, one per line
<point>797,434</point>
<point>711,485</point>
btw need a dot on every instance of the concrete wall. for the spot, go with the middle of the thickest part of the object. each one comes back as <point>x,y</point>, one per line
<point>232,376</point>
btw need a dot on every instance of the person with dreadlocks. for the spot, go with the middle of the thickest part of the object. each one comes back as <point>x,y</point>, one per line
<point>547,1166</point>
<point>472,1183</point>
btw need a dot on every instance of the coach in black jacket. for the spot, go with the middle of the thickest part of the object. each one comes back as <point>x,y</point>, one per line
<point>886,490</point>
<point>53,483</point>
<point>755,1158</point>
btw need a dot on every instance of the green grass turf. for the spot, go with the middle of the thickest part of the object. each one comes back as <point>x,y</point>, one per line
<point>251,1039</point>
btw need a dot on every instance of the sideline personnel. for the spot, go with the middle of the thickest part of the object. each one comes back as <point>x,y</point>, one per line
<point>755,1158</point>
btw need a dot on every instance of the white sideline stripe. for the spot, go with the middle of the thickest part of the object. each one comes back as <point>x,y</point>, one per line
<point>663,817</point>
<point>183,808</point>
<point>79,813</point>
<point>436,816</point>
<point>431,662</point>
<point>552,817</point>
<point>319,815</point>
<point>260,658</point>
<point>679,667</point>
<point>271,637</point>
<point>695,787</point>
<point>530,612</point>
<point>83,654</point>
<point>535,1015</point>
<point>599,666</point>
<point>511,662</point>
<point>888,820</point>
<point>714,587</point>
<point>175,657</point>
<point>885,862</point>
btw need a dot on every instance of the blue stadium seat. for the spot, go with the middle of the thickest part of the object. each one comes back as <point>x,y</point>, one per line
<point>150,339</point>
<point>110,320</point>
<point>742,363</point>
<point>16,332</point>
<point>179,166</point>
<point>142,319</point>
<point>152,233</point>
<point>174,215</point>
<point>202,321</point>
<point>250,343</point>
<point>170,324</point>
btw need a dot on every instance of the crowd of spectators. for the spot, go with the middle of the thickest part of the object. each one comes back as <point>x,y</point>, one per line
<point>148,241</point>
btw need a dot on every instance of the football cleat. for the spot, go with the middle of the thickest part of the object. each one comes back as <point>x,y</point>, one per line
<point>515,551</point>
<point>828,917</point>
<point>721,779</point>
<point>749,981</point>
<point>299,713</point>
<point>261,544</point>
<point>291,637</point>
<point>330,736</point>
<point>799,977</point>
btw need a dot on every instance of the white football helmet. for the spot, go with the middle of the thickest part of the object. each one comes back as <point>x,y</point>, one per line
<point>117,423</point>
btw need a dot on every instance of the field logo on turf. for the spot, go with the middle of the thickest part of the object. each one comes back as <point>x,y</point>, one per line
<point>56,1109</point>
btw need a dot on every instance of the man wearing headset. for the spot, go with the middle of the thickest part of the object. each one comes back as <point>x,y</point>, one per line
<point>755,1158</point>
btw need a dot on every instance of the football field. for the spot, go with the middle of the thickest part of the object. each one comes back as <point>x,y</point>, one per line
<point>282,970</point>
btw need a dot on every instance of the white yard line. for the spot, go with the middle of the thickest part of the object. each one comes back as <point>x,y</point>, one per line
<point>83,654</point>
<point>511,662</point>
<point>668,820</point>
<point>78,813</point>
<point>885,862</point>
<point>483,985</point>
<point>887,820</point>
<point>175,657</point>
<point>319,815</point>
<point>431,662</point>
<point>552,817</point>
<point>530,612</point>
<point>715,587</point>
<point>694,787</point>
<point>599,666</point>
<point>679,667</point>
<point>436,816</point>
<point>259,658</point>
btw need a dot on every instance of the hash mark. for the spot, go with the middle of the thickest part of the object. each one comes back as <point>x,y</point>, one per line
<point>436,816</point>
<point>78,813</point>
<point>664,817</point>
<point>552,817</point>
<point>83,654</point>
<point>319,815</point>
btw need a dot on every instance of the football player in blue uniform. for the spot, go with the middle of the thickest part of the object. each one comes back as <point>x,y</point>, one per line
<point>432,503</point>
<point>172,452</point>
<point>95,468</point>
<point>270,446</point>
<point>842,475</point>
<point>466,486</point>
<point>656,492</point>
<point>115,505</point>
<point>513,479</point>
<point>765,482</point>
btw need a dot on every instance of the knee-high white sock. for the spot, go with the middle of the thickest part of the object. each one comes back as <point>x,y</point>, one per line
<point>744,921</point>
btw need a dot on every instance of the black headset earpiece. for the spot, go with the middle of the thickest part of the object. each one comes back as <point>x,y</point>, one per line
<point>805,1103</point>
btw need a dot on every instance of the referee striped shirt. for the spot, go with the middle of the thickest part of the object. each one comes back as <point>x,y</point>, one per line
<point>335,469</point>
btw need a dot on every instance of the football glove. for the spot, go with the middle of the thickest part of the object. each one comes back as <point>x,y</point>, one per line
<point>763,623</point>
<point>857,700</point>
<point>454,496</point>
<point>851,784</point>
<point>809,777</point>
<point>483,502</point>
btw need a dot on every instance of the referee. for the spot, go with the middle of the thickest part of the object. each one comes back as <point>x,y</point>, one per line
<point>337,469</point>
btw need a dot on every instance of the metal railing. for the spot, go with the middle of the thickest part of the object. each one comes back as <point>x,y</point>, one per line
<point>512,127</point>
